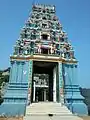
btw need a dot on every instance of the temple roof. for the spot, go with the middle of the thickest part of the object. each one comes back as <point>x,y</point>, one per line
<point>43,34</point>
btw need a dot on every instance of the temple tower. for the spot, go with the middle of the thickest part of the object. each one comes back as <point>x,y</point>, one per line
<point>43,66</point>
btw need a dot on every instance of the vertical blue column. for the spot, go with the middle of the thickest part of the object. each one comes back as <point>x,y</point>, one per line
<point>19,71</point>
<point>65,67</point>
<point>30,73</point>
<point>75,75</point>
<point>61,84</point>
<point>22,66</point>
<point>13,72</point>
<point>70,74</point>
<point>66,73</point>
<point>30,81</point>
<point>10,78</point>
<point>25,72</point>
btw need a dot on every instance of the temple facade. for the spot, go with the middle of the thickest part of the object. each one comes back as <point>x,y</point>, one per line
<point>43,66</point>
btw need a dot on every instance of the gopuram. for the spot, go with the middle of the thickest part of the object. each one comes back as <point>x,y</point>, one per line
<point>43,66</point>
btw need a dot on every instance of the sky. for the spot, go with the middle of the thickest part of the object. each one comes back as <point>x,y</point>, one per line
<point>74,16</point>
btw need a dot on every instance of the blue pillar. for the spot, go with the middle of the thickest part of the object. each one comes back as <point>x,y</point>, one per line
<point>30,81</point>
<point>15,98</point>
<point>13,72</point>
<point>61,82</point>
<point>19,72</point>
<point>72,96</point>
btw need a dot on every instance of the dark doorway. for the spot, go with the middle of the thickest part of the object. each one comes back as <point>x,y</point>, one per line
<point>44,92</point>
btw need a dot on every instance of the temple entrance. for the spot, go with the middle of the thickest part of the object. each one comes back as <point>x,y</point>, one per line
<point>44,81</point>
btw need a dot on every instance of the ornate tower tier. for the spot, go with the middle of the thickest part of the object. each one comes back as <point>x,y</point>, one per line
<point>43,66</point>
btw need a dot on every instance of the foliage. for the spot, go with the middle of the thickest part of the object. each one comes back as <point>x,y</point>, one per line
<point>3,79</point>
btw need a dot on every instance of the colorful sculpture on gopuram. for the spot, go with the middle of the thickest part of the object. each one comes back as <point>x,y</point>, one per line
<point>43,66</point>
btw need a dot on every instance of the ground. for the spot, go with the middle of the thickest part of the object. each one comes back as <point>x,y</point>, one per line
<point>84,118</point>
<point>18,118</point>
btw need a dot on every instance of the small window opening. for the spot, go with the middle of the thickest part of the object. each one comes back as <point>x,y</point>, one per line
<point>44,51</point>
<point>44,11</point>
<point>44,18</point>
<point>44,25</point>
<point>44,36</point>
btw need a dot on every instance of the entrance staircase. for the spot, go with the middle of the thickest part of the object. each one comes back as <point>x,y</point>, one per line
<point>49,111</point>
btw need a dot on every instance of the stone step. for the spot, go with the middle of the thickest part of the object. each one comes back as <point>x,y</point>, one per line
<point>41,117</point>
<point>48,111</point>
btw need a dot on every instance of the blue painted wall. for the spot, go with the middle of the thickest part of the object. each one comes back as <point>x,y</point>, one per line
<point>15,98</point>
<point>72,96</point>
